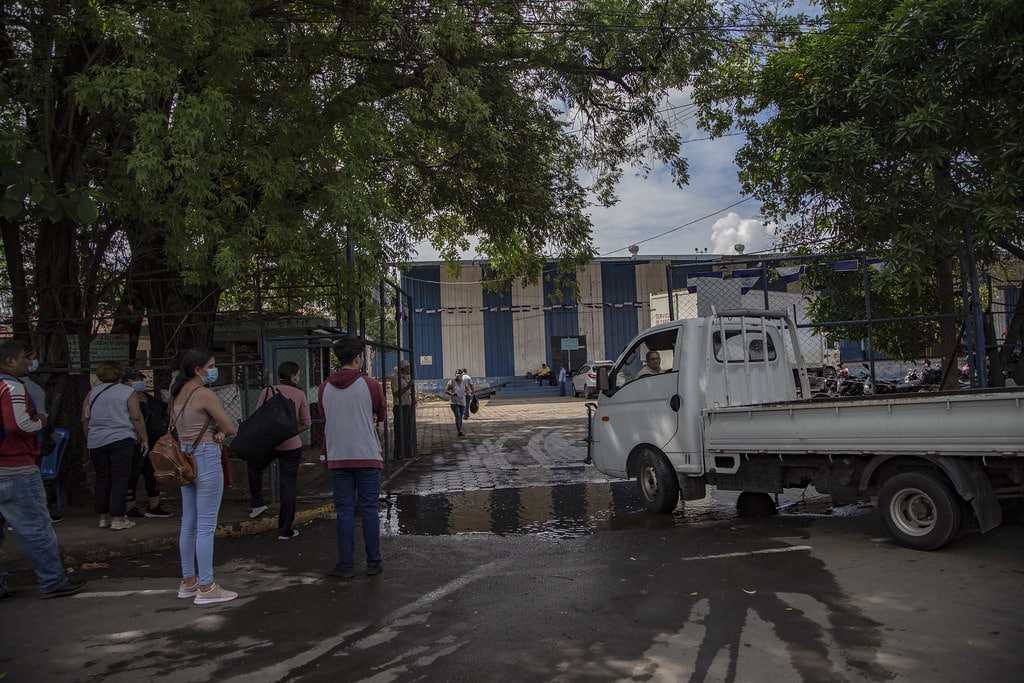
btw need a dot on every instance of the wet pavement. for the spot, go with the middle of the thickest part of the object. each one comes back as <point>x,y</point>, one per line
<point>518,470</point>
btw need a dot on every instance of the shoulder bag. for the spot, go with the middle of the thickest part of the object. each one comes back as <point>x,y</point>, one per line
<point>268,427</point>
<point>172,466</point>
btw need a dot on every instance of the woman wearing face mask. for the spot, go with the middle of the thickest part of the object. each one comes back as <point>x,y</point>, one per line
<point>198,414</point>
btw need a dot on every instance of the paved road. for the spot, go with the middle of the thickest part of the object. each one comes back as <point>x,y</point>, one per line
<point>504,561</point>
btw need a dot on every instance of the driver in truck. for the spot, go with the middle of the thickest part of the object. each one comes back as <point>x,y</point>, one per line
<point>653,364</point>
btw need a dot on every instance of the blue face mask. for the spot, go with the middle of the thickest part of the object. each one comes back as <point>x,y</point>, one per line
<point>139,386</point>
<point>211,376</point>
<point>33,365</point>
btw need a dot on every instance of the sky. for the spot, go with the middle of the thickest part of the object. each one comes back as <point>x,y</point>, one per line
<point>695,217</point>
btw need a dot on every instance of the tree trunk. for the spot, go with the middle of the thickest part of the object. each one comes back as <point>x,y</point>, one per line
<point>949,339</point>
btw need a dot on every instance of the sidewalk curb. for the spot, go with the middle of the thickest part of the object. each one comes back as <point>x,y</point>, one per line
<point>243,528</point>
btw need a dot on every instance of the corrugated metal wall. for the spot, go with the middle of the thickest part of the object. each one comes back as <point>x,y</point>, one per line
<point>560,318</point>
<point>499,347</point>
<point>423,285</point>
<point>591,314</point>
<point>462,323</point>
<point>618,284</point>
<point>528,328</point>
<point>651,277</point>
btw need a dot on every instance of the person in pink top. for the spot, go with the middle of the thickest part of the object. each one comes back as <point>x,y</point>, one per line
<point>199,415</point>
<point>288,455</point>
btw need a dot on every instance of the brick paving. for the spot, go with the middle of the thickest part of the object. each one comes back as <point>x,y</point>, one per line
<point>510,442</point>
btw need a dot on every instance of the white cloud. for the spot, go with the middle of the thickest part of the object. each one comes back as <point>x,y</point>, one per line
<point>731,230</point>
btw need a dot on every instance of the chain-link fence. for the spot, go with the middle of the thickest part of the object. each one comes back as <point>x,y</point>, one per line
<point>857,332</point>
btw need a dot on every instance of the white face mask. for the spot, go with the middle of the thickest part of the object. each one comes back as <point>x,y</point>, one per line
<point>33,365</point>
<point>139,386</point>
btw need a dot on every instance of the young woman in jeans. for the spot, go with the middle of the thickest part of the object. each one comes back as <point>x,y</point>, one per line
<point>198,414</point>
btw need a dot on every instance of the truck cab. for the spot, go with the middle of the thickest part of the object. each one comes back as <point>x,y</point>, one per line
<point>647,423</point>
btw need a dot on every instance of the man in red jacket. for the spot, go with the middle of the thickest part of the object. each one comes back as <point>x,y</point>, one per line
<point>22,497</point>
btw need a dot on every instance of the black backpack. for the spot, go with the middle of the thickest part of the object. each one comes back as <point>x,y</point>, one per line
<point>154,414</point>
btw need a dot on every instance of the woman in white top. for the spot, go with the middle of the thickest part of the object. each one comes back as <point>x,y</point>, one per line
<point>456,390</point>
<point>115,430</point>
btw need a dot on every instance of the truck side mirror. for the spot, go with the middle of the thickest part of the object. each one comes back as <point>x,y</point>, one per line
<point>602,378</point>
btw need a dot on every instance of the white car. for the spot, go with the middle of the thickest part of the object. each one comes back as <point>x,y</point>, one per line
<point>584,380</point>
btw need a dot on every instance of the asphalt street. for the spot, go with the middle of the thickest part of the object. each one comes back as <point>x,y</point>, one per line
<point>507,560</point>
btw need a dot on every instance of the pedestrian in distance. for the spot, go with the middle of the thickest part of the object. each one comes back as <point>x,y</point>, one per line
<point>352,404</point>
<point>288,455</point>
<point>22,497</point>
<point>562,375</point>
<point>198,414</point>
<point>154,415</point>
<point>404,408</point>
<point>115,435</point>
<point>456,392</point>
<point>470,393</point>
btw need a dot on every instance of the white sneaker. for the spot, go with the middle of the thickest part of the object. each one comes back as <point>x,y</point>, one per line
<point>119,525</point>
<point>104,521</point>
<point>257,511</point>
<point>186,591</point>
<point>213,595</point>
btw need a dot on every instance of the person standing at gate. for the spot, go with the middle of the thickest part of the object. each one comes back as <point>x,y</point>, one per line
<point>352,403</point>
<point>288,455</point>
<point>402,390</point>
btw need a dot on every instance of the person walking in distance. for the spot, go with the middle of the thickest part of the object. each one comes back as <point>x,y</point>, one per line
<point>352,403</point>
<point>288,455</point>
<point>456,391</point>
<point>562,376</point>
<point>199,415</point>
<point>470,393</point>
<point>22,497</point>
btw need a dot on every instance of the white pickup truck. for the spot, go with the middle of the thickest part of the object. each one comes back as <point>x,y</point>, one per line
<point>724,400</point>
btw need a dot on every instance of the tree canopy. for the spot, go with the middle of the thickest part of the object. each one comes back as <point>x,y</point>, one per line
<point>157,155</point>
<point>892,124</point>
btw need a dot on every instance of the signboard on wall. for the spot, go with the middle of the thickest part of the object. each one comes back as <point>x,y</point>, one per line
<point>103,347</point>
<point>426,360</point>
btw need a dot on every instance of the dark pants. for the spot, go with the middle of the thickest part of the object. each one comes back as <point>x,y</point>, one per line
<point>113,465</point>
<point>141,465</point>
<point>405,431</point>
<point>288,487</point>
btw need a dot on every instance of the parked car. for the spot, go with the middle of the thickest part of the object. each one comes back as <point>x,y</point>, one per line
<point>584,380</point>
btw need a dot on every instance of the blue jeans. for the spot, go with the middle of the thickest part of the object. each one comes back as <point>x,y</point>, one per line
<point>200,503</point>
<point>350,483</point>
<point>458,410</point>
<point>23,506</point>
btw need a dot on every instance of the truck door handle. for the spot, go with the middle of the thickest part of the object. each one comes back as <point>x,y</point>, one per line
<point>674,403</point>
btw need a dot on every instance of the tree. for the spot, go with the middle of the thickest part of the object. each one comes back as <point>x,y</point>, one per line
<point>888,124</point>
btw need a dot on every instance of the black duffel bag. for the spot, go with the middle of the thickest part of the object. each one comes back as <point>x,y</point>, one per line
<point>268,427</point>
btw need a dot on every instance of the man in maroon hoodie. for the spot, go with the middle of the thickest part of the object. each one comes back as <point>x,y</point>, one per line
<point>22,497</point>
<point>352,403</point>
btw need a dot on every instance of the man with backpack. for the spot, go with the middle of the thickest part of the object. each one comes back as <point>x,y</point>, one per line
<point>22,497</point>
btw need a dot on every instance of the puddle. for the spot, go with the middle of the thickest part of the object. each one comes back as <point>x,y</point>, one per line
<point>563,511</point>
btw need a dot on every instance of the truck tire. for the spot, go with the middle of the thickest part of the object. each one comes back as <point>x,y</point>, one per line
<point>920,510</point>
<point>657,482</point>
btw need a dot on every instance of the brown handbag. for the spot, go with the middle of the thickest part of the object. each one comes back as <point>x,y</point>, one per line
<point>171,465</point>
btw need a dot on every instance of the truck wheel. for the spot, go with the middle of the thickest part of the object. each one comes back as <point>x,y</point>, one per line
<point>657,482</point>
<point>920,510</point>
